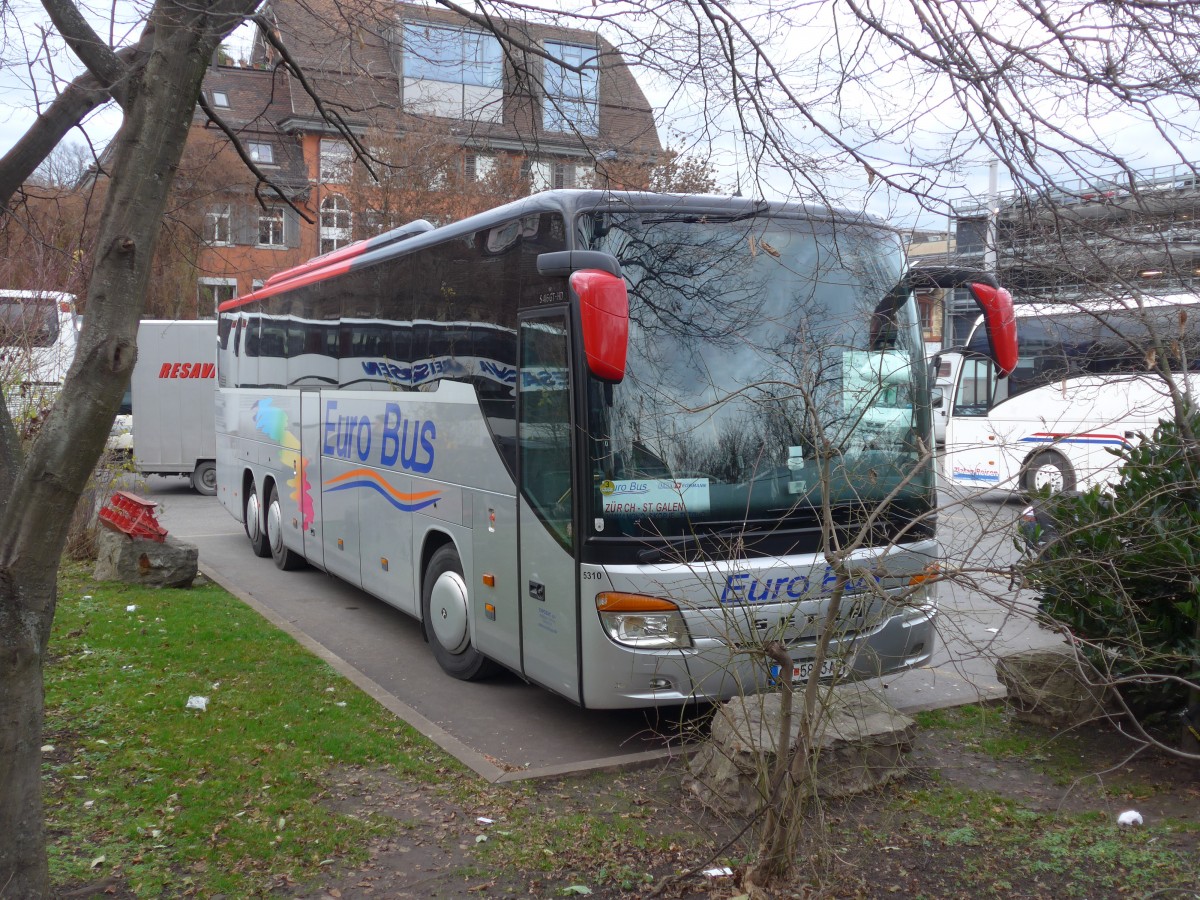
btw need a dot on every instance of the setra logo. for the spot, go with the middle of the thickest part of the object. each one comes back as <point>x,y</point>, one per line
<point>188,370</point>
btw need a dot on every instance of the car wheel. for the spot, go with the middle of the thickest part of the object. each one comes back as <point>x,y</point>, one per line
<point>204,479</point>
<point>252,516</point>
<point>285,558</point>
<point>445,610</point>
<point>1048,471</point>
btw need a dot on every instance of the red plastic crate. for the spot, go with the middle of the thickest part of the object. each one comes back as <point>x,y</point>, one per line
<point>132,515</point>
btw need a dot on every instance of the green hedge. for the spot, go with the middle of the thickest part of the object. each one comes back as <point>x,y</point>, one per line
<point>1124,572</point>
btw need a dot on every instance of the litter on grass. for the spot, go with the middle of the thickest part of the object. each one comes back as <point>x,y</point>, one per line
<point>1130,817</point>
<point>197,702</point>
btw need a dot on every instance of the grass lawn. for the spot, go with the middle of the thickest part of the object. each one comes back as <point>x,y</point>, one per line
<point>224,798</point>
<point>290,782</point>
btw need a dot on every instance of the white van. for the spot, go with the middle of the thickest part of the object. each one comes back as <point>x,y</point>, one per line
<point>172,399</point>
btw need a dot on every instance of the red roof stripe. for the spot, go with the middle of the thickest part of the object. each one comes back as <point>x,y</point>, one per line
<point>318,273</point>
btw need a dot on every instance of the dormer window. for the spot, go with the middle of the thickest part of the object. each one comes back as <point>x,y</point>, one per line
<point>261,152</point>
<point>221,99</point>
<point>572,98</point>
<point>453,73</point>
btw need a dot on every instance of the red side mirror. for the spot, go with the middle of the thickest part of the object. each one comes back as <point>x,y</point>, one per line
<point>997,306</point>
<point>604,316</point>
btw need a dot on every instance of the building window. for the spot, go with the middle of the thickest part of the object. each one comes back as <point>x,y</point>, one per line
<point>261,152</point>
<point>217,226</point>
<point>566,175</point>
<point>452,72</point>
<point>211,293</point>
<point>336,222</point>
<point>221,99</point>
<point>538,175</point>
<point>270,227</point>
<point>572,98</point>
<point>335,162</point>
<point>479,166</point>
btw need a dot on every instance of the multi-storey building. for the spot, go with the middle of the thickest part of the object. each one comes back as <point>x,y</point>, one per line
<point>1129,231</point>
<point>395,111</point>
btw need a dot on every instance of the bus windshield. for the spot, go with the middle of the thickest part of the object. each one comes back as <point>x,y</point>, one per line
<point>1106,338</point>
<point>758,382</point>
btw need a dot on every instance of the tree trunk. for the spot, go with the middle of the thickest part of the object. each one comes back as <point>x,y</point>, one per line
<point>780,844</point>
<point>23,639</point>
<point>33,532</point>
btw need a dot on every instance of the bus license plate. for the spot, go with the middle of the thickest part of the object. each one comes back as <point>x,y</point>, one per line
<point>802,669</point>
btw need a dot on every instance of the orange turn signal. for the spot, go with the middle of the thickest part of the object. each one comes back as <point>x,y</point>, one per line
<point>931,573</point>
<point>613,601</point>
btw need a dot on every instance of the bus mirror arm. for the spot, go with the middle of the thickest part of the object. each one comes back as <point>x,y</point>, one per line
<point>562,263</point>
<point>993,301</point>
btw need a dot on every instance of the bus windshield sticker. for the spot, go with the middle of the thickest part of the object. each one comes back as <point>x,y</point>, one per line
<point>656,496</point>
<point>876,392</point>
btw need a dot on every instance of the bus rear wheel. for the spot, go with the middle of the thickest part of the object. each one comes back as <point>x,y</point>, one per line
<point>253,519</point>
<point>1048,471</point>
<point>445,610</point>
<point>285,559</point>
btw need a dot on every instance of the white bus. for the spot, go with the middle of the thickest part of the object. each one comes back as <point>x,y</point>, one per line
<point>602,440</point>
<point>1083,386</point>
<point>39,331</point>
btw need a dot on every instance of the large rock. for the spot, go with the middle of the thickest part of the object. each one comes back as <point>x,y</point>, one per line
<point>1053,686</point>
<point>119,557</point>
<point>862,742</point>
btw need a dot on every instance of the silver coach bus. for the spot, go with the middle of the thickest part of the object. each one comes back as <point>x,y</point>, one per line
<point>607,441</point>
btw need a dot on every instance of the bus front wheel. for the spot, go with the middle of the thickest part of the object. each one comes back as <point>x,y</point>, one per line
<point>252,516</point>
<point>1048,471</point>
<point>445,610</point>
<point>285,559</point>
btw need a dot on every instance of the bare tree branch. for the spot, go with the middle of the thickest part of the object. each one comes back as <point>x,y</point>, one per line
<point>236,143</point>
<point>333,118</point>
<point>79,98</point>
<point>105,65</point>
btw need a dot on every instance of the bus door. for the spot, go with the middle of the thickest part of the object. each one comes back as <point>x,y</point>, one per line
<point>310,454</point>
<point>972,455</point>
<point>545,462</point>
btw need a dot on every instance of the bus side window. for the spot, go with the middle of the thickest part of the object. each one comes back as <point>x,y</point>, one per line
<point>975,382</point>
<point>544,422</point>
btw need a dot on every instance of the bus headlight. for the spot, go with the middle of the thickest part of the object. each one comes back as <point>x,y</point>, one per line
<point>649,623</point>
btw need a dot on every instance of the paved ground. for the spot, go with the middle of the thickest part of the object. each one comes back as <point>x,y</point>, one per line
<point>505,729</point>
